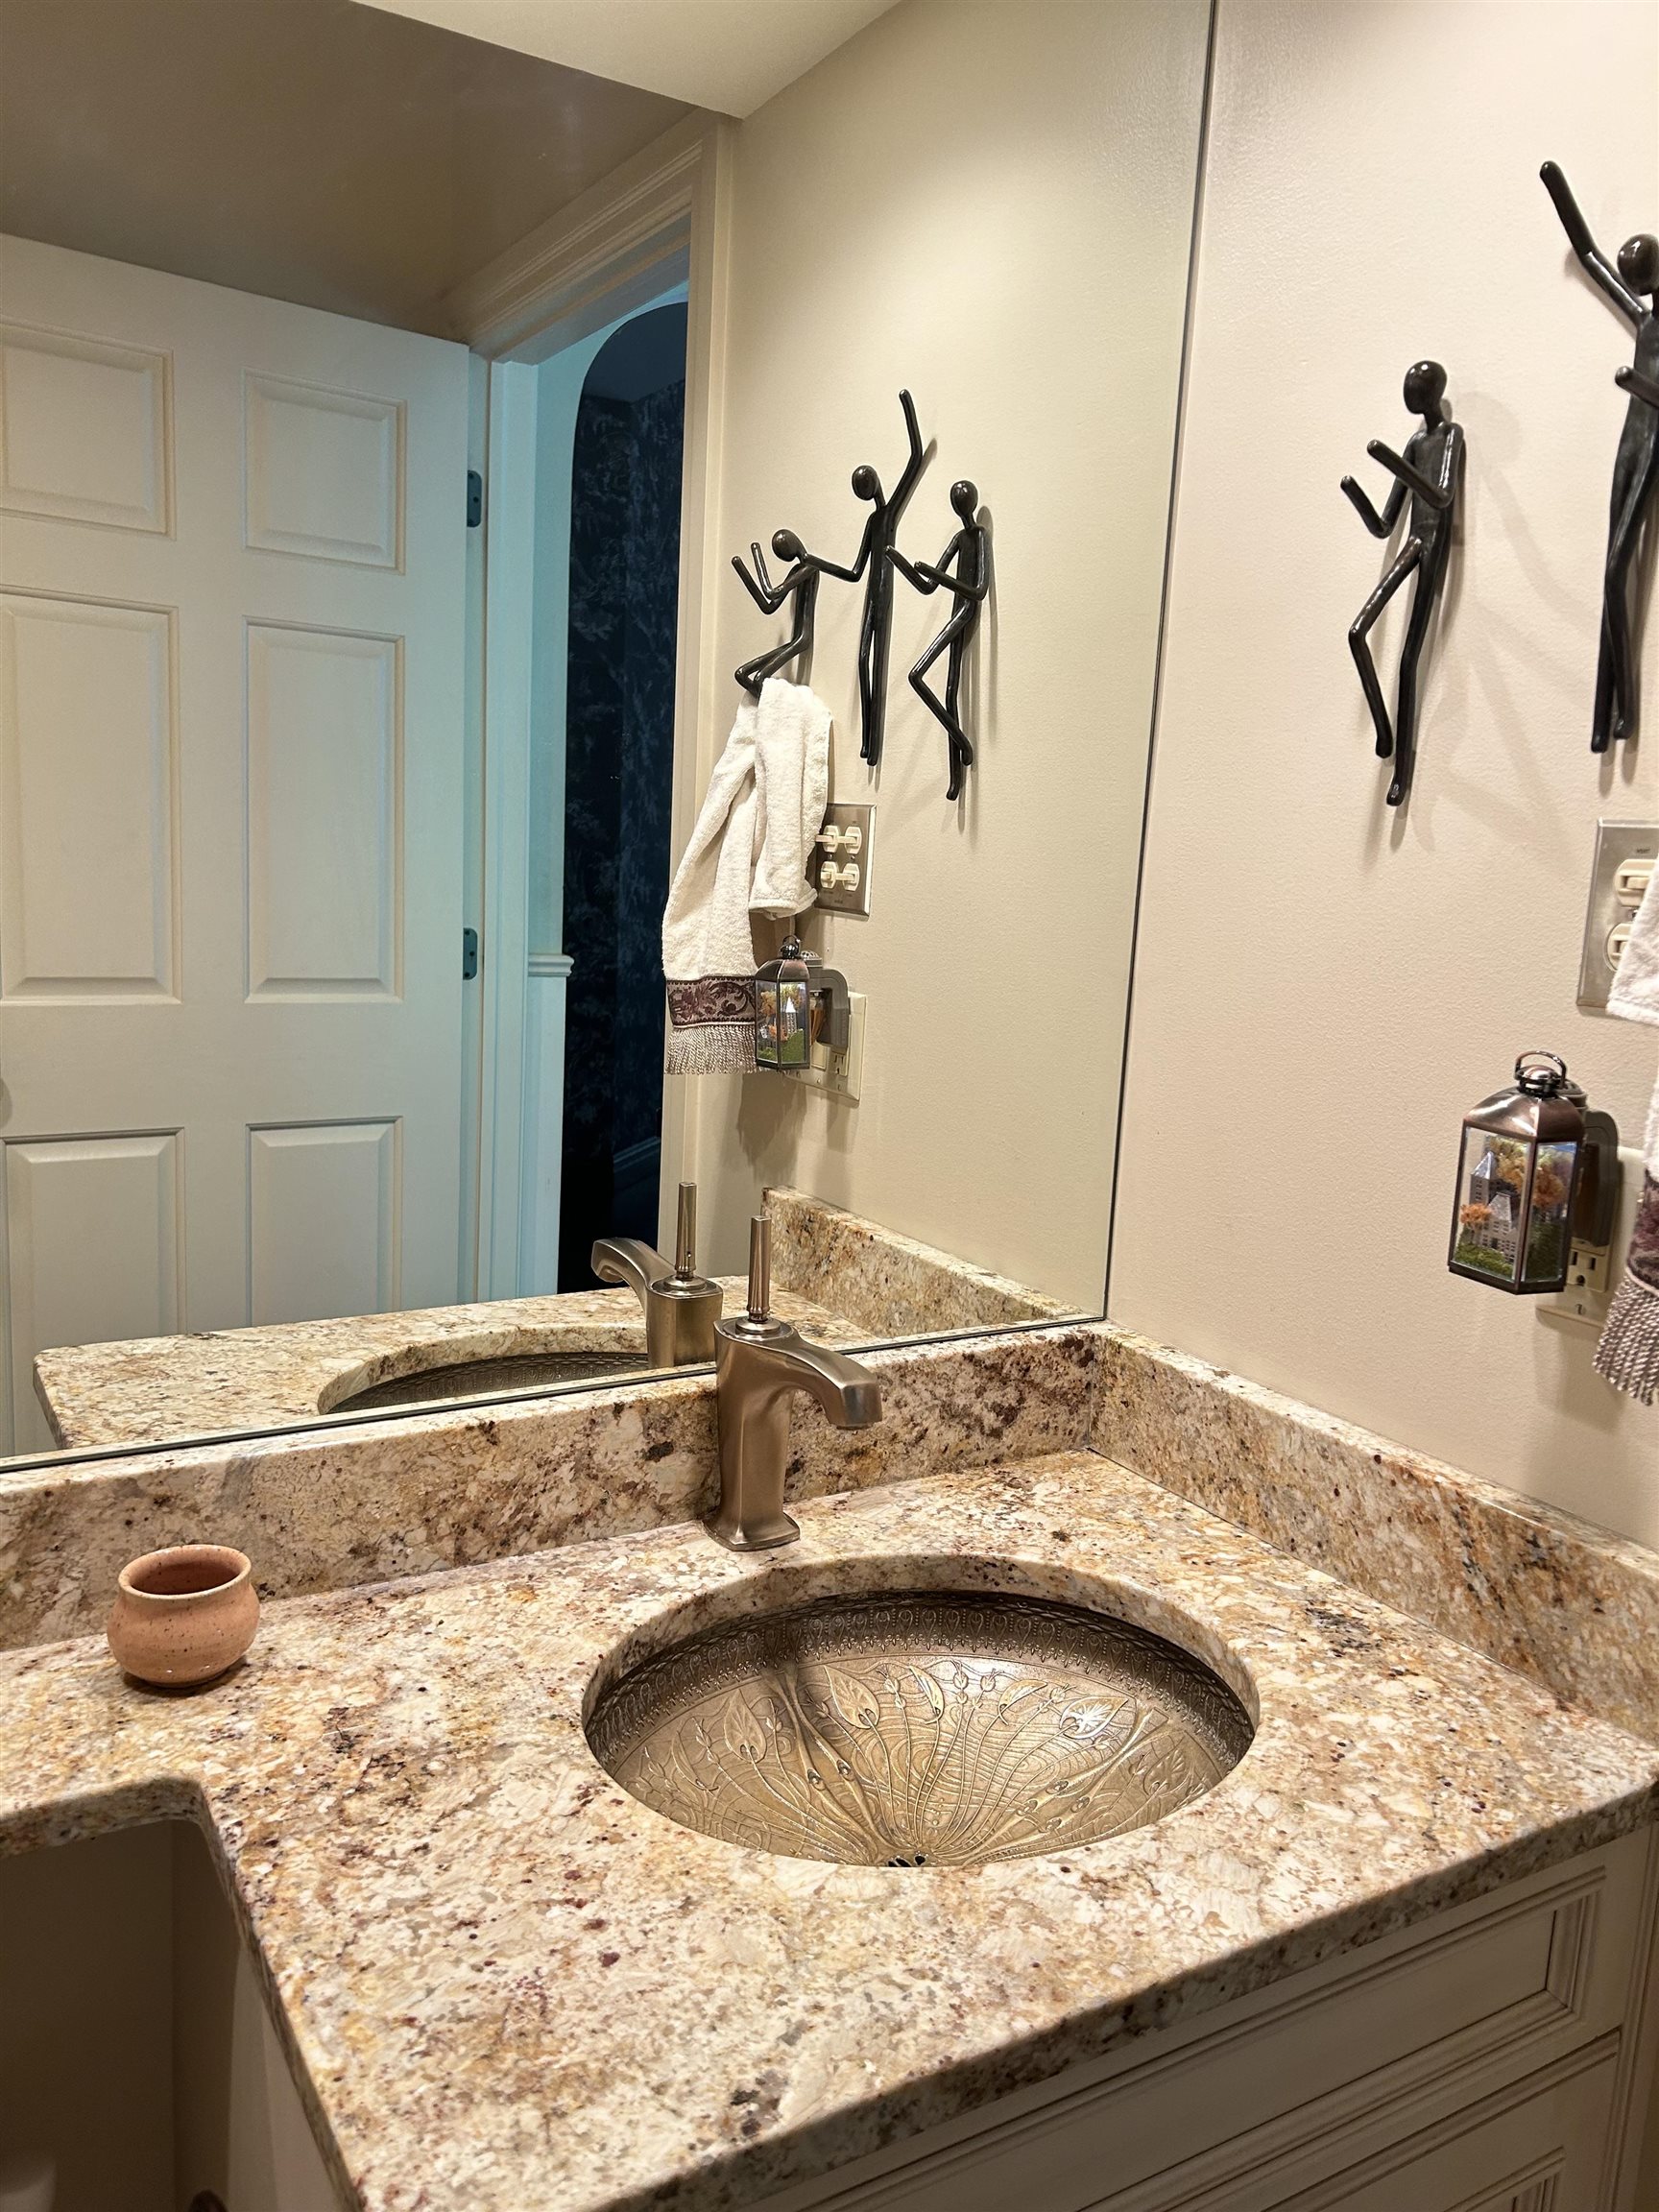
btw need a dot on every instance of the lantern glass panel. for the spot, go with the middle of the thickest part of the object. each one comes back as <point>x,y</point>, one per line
<point>1547,1224</point>
<point>794,1017</point>
<point>1491,1204</point>
<point>766,1023</point>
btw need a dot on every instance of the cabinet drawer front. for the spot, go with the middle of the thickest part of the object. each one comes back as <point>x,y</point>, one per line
<point>1411,2027</point>
<point>1540,2150</point>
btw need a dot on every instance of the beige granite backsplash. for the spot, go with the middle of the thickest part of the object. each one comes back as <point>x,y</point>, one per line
<point>888,1283</point>
<point>329,1508</point>
<point>1536,1589</point>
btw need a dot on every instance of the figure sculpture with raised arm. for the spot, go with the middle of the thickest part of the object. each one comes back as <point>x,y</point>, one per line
<point>1429,473</point>
<point>970,549</point>
<point>801,584</point>
<point>1636,465</point>
<point>881,533</point>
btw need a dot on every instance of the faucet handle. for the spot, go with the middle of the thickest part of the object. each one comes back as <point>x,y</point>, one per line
<point>759,1269</point>
<point>686,1234</point>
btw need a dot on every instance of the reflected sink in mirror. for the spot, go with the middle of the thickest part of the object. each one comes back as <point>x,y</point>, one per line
<point>920,1728</point>
<point>466,1378</point>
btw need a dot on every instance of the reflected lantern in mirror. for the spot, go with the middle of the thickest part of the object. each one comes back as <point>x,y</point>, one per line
<point>783,1010</point>
<point>1517,1179</point>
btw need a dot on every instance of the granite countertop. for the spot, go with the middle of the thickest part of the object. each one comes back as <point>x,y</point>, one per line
<point>840,1278</point>
<point>511,1984</point>
<point>229,1378</point>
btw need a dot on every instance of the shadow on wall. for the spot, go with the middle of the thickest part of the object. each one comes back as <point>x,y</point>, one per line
<point>619,761</point>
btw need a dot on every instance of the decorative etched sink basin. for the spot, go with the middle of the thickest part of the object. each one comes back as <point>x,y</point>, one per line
<point>919,1728</point>
<point>467,1377</point>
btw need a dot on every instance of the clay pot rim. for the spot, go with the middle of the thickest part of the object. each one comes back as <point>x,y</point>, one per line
<point>237,1564</point>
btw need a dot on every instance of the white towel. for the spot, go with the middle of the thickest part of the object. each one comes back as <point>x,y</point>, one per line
<point>1628,1353</point>
<point>792,789</point>
<point>748,853</point>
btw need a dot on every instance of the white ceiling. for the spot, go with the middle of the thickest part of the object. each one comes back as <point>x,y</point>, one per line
<point>727,54</point>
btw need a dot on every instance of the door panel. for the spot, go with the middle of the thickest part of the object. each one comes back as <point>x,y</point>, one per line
<point>325,801</point>
<point>92,1246</point>
<point>323,1206</point>
<point>84,429</point>
<point>232,547</point>
<point>325,473</point>
<point>88,768</point>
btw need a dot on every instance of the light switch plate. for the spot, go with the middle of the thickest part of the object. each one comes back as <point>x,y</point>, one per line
<point>841,897</point>
<point>1616,843</point>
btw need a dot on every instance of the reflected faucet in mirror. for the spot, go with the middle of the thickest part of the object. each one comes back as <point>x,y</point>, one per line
<point>680,1306</point>
<point>759,1364</point>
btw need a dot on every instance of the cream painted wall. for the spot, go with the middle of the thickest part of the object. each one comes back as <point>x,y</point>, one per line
<point>1323,989</point>
<point>992,206</point>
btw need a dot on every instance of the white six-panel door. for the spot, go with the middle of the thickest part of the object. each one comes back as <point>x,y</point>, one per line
<point>232,538</point>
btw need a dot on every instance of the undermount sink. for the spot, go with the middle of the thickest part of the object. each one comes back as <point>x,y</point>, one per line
<point>467,1377</point>
<point>919,1728</point>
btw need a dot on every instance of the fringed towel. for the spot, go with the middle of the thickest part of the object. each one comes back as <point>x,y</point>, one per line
<point>1628,1353</point>
<point>748,852</point>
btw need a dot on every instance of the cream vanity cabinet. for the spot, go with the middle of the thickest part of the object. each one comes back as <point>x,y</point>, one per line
<point>1491,2060</point>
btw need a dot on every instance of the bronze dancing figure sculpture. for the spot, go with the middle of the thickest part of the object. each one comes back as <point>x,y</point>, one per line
<point>1429,473</point>
<point>970,549</point>
<point>1635,465</point>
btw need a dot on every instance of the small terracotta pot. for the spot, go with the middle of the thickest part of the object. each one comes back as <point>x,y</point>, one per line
<point>184,1615</point>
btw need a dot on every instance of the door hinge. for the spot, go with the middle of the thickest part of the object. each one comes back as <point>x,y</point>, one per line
<point>474,498</point>
<point>469,954</point>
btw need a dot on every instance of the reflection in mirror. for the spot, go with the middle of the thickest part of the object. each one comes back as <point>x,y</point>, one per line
<point>369,476</point>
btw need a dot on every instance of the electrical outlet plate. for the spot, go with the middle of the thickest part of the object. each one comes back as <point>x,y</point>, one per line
<point>837,1075</point>
<point>1593,1269</point>
<point>1611,903</point>
<point>839,820</point>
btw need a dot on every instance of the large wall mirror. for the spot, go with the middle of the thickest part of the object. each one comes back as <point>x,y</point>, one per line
<point>381,409</point>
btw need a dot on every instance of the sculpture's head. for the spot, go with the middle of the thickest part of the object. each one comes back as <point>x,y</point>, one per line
<point>965,498</point>
<point>786,545</point>
<point>1424,388</point>
<point>866,483</point>
<point>1639,262</point>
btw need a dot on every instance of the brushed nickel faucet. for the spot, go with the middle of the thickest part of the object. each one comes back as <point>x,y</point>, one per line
<point>680,1306</point>
<point>758,1363</point>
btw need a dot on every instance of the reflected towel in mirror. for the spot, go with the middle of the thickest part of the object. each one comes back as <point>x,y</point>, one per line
<point>1628,1354</point>
<point>747,853</point>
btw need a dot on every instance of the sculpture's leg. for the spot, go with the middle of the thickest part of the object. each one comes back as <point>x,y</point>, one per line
<point>1359,630</point>
<point>944,711</point>
<point>1606,691</point>
<point>961,747</point>
<point>1405,714</point>
<point>1631,494</point>
<point>870,735</point>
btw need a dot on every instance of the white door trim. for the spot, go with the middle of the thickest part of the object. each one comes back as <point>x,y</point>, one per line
<point>612,250</point>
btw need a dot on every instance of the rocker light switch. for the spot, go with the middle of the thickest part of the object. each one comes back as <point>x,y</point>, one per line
<point>1626,853</point>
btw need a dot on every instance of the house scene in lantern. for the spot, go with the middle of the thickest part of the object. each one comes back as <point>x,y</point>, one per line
<point>1491,1212</point>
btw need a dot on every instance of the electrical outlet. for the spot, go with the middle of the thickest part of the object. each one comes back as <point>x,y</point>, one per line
<point>1593,1270</point>
<point>837,1075</point>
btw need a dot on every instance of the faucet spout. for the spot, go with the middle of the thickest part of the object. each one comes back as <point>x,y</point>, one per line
<point>629,1260</point>
<point>679,1305</point>
<point>758,1366</point>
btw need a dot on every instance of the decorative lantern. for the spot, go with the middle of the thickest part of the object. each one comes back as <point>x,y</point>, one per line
<point>798,1003</point>
<point>783,1010</point>
<point>1517,1179</point>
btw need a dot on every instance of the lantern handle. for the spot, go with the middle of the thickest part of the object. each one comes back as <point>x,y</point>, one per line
<point>1529,1078</point>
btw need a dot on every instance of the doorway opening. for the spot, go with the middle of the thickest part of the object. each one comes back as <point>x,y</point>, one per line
<point>625,497</point>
